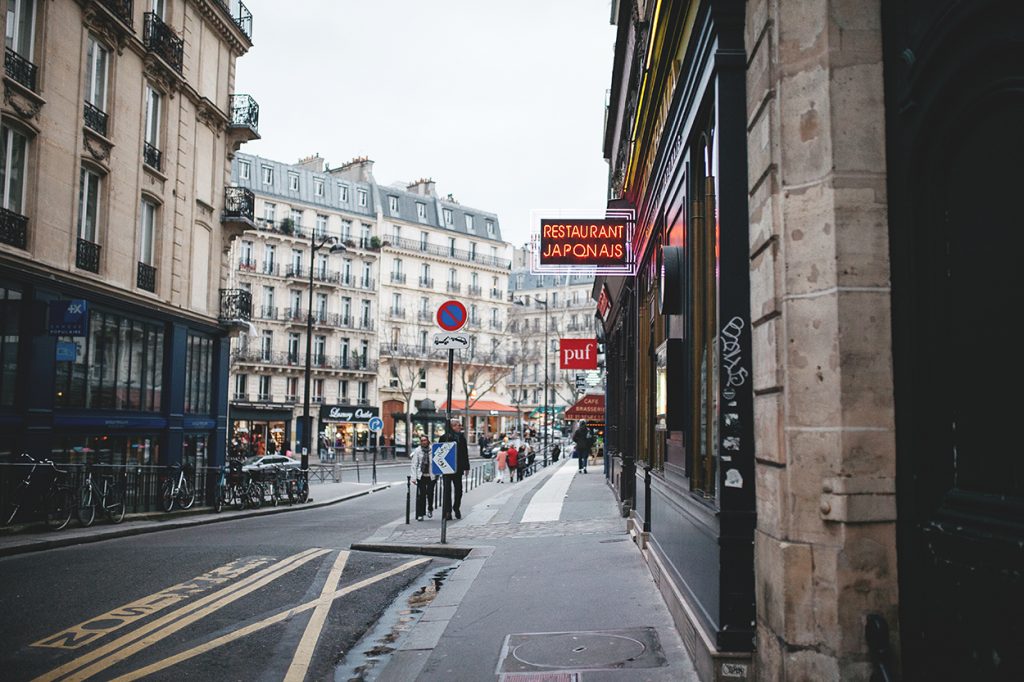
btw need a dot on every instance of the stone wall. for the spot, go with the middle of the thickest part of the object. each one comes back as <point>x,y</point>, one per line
<point>825,547</point>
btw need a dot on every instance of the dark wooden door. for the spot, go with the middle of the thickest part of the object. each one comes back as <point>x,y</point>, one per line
<point>955,130</point>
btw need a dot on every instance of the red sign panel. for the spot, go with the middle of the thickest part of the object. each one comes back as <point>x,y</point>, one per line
<point>577,354</point>
<point>451,316</point>
<point>589,408</point>
<point>582,242</point>
<point>604,302</point>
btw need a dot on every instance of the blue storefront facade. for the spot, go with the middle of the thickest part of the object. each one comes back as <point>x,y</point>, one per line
<point>111,382</point>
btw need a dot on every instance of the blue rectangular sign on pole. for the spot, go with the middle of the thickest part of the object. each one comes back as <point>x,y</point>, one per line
<point>442,458</point>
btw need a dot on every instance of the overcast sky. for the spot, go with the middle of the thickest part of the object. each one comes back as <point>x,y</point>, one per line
<point>501,103</point>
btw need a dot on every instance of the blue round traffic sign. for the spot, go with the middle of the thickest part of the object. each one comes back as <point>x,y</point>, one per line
<point>451,316</point>
<point>376,424</point>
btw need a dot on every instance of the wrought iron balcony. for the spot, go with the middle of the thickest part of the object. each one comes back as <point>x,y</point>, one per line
<point>367,283</point>
<point>474,290</point>
<point>239,205</point>
<point>268,312</point>
<point>146,277</point>
<point>235,305</point>
<point>243,20</point>
<point>87,256</point>
<point>247,264</point>
<point>424,315</point>
<point>397,313</point>
<point>397,278</point>
<point>454,287</point>
<point>20,69</point>
<point>496,294</point>
<point>161,40</point>
<point>245,113</point>
<point>95,119</point>
<point>122,9</point>
<point>13,228</point>
<point>427,282</point>
<point>151,156</point>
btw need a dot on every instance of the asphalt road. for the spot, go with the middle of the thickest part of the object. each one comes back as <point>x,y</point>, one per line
<point>268,598</point>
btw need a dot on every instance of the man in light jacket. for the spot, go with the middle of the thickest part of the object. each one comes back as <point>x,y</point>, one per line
<point>419,472</point>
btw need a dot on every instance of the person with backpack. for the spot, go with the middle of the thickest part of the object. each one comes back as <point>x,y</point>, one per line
<point>582,438</point>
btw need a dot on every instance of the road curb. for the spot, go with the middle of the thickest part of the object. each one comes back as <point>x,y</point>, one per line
<point>447,551</point>
<point>170,521</point>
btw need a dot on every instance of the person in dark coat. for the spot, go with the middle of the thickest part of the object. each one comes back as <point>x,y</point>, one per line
<point>453,482</point>
<point>581,437</point>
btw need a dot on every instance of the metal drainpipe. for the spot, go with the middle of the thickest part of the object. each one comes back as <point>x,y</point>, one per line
<point>647,497</point>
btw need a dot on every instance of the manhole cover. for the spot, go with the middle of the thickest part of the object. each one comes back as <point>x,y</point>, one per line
<point>588,650</point>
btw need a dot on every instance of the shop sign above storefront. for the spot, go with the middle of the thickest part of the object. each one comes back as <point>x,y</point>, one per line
<point>577,353</point>
<point>601,244</point>
<point>69,318</point>
<point>604,303</point>
<point>347,413</point>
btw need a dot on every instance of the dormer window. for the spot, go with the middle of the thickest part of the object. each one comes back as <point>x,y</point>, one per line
<point>393,205</point>
<point>469,223</point>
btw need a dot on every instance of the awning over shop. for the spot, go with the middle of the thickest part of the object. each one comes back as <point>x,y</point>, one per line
<point>554,410</point>
<point>589,408</point>
<point>484,407</point>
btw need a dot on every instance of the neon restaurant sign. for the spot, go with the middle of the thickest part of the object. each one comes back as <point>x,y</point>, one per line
<point>598,245</point>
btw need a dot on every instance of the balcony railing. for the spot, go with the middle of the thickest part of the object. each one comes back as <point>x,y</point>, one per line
<point>122,9</point>
<point>427,282</point>
<point>239,204</point>
<point>474,290</point>
<point>161,40</point>
<point>243,19</point>
<point>95,119</point>
<point>454,287</point>
<point>245,112</point>
<point>146,277</point>
<point>495,324</point>
<point>474,323</point>
<point>497,294</point>
<point>366,283</point>
<point>20,69</point>
<point>366,324</point>
<point>151,156</point>
<point>424,315</point>
<point>235,305</point>
<point>397,278</point>
<point>398,313</point>
<point>447,252</point>
<point>268,312</point>
<point>87,256</point>
<point>13,228</point>
<point>296,271</point>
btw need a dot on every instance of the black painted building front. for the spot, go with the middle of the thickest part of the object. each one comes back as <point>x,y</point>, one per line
<point>678,348</point>
<point>134,386</point>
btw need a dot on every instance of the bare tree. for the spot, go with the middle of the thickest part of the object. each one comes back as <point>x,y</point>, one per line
<point>480,372</point>
<point>405,366</point>
<point>518,355</point>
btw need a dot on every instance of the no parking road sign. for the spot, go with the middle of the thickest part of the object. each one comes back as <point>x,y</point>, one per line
<point>451,316</point>
<point>442,458</point>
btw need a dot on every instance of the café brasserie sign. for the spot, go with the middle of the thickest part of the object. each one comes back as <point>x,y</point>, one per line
<point>347,413</point>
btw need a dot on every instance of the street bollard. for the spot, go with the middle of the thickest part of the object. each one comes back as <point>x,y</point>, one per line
<point>408,492</point>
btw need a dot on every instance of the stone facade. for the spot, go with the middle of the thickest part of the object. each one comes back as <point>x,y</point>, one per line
<point>820,305</point>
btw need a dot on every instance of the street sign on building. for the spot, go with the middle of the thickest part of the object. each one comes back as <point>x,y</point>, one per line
<point>577,353</point>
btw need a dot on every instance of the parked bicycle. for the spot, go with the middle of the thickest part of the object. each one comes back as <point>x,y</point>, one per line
<point>178,489</point>
<point>45,489</point>
<point>105,494</point>
<point>298,486</point>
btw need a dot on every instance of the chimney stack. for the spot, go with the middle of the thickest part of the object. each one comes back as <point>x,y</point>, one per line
<point>423,187</point>
<point>313,163</point>
<point>359,169</point>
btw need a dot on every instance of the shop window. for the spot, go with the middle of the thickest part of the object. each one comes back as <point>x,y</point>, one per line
<point>10,320</point>
<point>119,365</point>
<point>198,374</point>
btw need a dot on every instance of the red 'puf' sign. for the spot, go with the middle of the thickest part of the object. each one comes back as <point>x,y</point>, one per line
<point>577,354</point>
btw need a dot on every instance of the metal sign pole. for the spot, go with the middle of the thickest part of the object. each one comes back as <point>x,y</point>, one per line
<point>446,486</point>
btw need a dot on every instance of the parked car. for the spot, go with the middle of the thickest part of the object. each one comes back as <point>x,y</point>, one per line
<point>267,462</point>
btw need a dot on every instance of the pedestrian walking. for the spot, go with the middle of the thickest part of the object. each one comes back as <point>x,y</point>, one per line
<point>581,437</point>
<point>453,482</point>
<point>513,462</point>
<point>419,471</point>
<point>500,461</point>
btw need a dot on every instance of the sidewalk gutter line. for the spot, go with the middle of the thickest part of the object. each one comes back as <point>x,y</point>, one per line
<point>122,531</point>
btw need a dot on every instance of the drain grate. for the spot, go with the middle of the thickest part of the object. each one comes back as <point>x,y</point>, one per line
<point>550,652</point>
<point>539,677</point>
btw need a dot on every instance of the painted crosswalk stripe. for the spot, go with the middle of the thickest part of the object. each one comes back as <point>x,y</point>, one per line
<point>150,633</point>
<point>304,653</point>
<point>265,623</point>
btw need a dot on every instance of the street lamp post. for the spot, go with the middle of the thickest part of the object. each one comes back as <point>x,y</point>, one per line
<point>547,325</point>
<point>307,428</point>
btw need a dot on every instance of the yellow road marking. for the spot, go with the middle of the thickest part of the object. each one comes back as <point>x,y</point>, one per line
<point>217,599</point>
<point>304,653</point>
<point>256,627</point>
<point>84,633</point>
